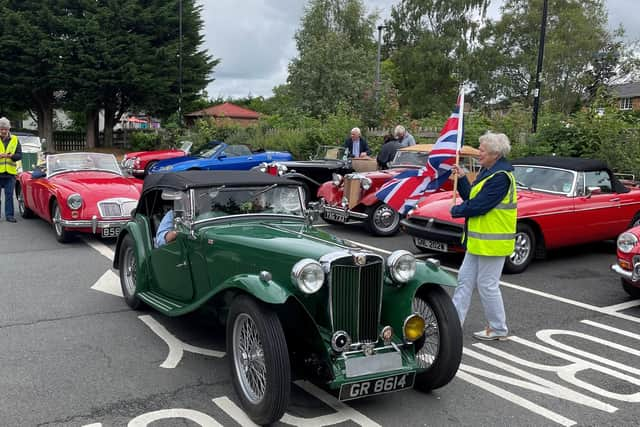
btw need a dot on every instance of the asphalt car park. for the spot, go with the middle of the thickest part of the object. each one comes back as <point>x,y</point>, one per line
<point>73,354</point>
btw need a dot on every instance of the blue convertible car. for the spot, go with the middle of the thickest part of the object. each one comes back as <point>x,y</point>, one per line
<point>221,157</point>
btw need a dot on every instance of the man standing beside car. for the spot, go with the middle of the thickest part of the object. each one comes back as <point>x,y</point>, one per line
<point>405,138</point>
<point>10,153</point>
<point>356,145</point>
<point>490,213</point>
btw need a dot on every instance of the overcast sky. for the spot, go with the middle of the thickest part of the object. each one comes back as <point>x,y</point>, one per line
<point>254,39</point>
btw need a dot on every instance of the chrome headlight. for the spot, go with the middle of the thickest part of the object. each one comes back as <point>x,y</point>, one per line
<point>626,242</point>
<point>307,274</point>
<point>74,201</point>
<point>401,266</point>
<point>413,328</point>
<point>262,167</point>
<point>337,179</point>
<point>282,169</point>
<point>365,183</point>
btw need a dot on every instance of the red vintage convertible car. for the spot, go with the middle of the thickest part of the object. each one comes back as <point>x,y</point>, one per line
<point>352,197</point>
<point>139,163</point>
<point>82,192</point>
<point>628,264</point>
<point>561,202</point>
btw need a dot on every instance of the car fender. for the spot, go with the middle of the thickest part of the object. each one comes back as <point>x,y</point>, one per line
<point>268,292</point>
<point>397,300</point>
<point>370,199</point>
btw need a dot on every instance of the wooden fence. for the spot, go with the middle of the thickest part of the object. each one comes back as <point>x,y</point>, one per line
<point>68,140</point>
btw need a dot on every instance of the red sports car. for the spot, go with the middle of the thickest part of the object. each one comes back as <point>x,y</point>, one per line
<point>83,192</point>
<point>140,162</point>
<point>628,265</point>
<point>352,197</point>
<point>561,202</point>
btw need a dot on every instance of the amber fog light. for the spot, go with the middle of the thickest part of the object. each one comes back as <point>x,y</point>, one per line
<point>340,341</point>
<point>413,327</point>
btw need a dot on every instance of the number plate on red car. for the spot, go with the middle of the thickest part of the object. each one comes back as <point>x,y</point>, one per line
<point>431,244</point>
<point>110,232</point>
<point>336,216</point>
<point>377,386</point>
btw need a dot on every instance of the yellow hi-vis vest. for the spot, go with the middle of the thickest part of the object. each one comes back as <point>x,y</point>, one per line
<point>493,234</point>
<point>6,164</point>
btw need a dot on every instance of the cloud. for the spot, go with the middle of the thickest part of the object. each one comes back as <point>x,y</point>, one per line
<point>254,39</point>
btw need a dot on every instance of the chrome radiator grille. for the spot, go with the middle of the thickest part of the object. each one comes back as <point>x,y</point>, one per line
<point>116,208</point>
<point>356,297</point>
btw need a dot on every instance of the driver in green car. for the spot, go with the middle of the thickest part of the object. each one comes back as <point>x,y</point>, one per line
<point>166,233</point>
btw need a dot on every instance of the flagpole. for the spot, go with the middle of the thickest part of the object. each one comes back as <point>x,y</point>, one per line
<point>458,145</point>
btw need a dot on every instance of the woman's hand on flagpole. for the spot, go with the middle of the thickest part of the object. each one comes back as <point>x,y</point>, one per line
<point>456,170</point>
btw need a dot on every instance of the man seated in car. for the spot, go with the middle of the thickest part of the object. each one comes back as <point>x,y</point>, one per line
<point>166,233</point>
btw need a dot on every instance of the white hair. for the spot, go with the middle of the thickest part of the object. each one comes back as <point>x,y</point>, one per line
<point>356,130</point>
<point>496,143</point>
<point>5,123</point>
<point>399,130</point>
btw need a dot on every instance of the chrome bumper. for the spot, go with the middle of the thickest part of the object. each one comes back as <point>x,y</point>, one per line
<point>347,212</point>
<point>94,223</point>
<point>622,272</point>
<point>132,171</point>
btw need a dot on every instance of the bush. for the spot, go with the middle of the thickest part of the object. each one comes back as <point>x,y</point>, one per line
<point>144,141</point>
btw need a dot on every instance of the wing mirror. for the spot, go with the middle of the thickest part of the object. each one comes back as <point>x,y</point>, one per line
<point>312,212</point>
<point>593,190</point>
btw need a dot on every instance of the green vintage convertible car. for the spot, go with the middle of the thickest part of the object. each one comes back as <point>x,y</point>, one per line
<point>297,302</point>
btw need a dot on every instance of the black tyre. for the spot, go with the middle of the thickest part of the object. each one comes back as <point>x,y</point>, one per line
<point>25,212</point>
<point>524,251</point>
<point>62,235</point>
<point>383,220</point>
<point>630,289</point>
<point>439,351</point>
<point>259,358</point>
<point>147,168</point>
<point>128,268</point>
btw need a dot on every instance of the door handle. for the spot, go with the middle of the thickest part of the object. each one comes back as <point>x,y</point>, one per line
<point>615,199</point>
<point>182,264</point>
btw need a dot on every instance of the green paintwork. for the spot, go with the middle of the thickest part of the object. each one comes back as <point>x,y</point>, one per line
<point>229,256</point>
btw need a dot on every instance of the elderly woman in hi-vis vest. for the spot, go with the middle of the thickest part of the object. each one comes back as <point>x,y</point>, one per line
<point>489,209</point>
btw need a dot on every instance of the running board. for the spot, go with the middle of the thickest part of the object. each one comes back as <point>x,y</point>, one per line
<point>162,303</point>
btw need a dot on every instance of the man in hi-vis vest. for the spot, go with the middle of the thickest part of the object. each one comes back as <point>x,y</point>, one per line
<point>489,209</point>
<point>10,153</point>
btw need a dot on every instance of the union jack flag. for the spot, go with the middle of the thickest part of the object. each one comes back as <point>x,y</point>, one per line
<point>404,191</point>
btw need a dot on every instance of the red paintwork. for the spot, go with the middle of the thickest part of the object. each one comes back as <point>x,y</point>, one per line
<point>333,195</point>
<point>144,157</point>
<point>625,260</point>
<point>93,186</point>
<point>562,221</point>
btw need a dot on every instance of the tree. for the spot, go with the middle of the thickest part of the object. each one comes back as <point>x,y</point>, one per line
<point>336,62</point>
<point>428,42</point>
<point>580,54</point>
<point>30,73</point>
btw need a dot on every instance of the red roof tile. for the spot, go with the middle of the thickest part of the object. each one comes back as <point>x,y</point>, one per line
<point>227,110</point>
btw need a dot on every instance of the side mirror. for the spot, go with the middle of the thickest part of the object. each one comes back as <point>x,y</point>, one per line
<point>312,213</point>
<point>593,190</point>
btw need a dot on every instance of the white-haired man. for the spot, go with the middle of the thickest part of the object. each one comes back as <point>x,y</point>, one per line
<point>405,138</point>
<point>10,153</point>
<point>356,145</point>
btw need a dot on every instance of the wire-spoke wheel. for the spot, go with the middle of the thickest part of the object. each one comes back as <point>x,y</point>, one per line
<point>128,273</point>
<point>259,359</point>
<point>523,252</point>
<point>62,235</point>
<point>25,212</point>
<point>439,351</point>
<point>383,220</point>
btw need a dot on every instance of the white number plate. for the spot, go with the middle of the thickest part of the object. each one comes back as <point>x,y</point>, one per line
<point>377,386</point>
<point>110,232</point>
<point>336,216</point>
<point>431,244</point>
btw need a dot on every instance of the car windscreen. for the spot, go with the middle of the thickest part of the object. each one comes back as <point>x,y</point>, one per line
<point>330,152</point>
<point>222,201</point>
<point>57,163</point>
<point>539,178</point>
<point>416,158</point>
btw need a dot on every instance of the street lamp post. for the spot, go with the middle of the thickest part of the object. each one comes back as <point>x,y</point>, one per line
<point>180,62</point>
<point>536,91</point>
<point>380,27</point>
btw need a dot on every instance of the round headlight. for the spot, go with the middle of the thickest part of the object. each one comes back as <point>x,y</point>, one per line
<point>263,167</point>
<point>337,179</point>
<point>365,183</point>
<point>626,242</point>
<point>401,265</point>
<point>307,274</point>
<point>74,201</point>
<point>413,327</point>
<point>282,169</point>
